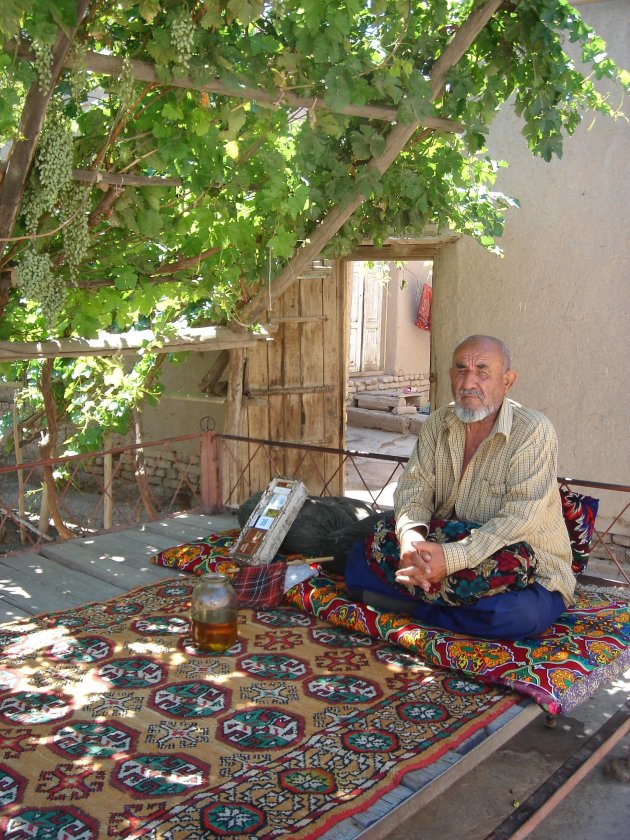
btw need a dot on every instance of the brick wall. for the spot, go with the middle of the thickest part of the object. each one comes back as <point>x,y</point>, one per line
<point>387,382</point>
<point>619,545</point>
<point>164,470</point>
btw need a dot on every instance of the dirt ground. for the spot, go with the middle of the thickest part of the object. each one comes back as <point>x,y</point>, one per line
<point>81,508</point>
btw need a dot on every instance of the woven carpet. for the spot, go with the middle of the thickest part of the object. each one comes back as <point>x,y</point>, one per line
<point>113,725</point>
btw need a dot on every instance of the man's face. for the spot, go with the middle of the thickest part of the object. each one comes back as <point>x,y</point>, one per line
<point>479,381</point>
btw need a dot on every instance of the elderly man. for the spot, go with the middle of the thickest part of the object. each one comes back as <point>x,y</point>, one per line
<point>489,461</point>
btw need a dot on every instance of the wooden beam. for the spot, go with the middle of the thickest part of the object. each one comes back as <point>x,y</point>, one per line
<point>395,143</point>
<point>123,179</point>
<point>214,374</point>
<point>388,251</point>
<point>293,389</point>
<point>114,179</point>
<point>144,71</point>
<point>202,339</point>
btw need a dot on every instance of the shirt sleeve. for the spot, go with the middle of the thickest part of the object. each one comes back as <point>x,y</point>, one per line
<point>530,489</point>
<point>414,496</point>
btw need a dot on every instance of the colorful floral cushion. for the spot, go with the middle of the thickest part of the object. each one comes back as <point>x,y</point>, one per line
<point>587,647</point>
<point>200,557</point>
<point>260,586</point>
<point>510,569</point>
<point>579,513</point>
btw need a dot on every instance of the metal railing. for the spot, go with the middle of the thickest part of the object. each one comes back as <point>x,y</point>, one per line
<point>96,491</point>
<point>219,472</point>
<point>361,482</point>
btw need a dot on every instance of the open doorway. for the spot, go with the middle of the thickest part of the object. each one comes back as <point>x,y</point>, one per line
<point>389,354</point>
<point>389,345</point>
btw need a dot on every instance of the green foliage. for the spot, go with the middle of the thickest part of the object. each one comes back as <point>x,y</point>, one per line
<point>253,178</point>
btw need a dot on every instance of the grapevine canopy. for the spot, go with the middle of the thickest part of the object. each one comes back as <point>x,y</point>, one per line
<point>164,162</point>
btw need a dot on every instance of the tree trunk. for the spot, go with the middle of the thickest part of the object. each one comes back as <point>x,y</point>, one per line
<point>140,467</point>
<point>234,420</point>
<point>31,123</point>
<point>48,450</point>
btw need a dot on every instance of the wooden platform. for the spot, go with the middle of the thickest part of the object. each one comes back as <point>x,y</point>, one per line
<point>64,574</point>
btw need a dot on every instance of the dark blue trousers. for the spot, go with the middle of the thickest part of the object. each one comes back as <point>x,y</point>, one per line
<point>509,615</point>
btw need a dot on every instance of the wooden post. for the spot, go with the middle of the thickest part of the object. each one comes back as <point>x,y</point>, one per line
<point>234,424</point>
<point>108,499</point>
<point>18,461</point>
<point>209,480</point>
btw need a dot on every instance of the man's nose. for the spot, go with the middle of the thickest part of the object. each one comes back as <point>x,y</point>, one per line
<point>468,379</point>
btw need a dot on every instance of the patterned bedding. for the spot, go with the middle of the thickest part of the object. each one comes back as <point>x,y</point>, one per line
<point>587,647</point>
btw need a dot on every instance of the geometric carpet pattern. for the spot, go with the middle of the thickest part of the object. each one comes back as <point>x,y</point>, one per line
<point>587,647</point>
<point>113,725</point>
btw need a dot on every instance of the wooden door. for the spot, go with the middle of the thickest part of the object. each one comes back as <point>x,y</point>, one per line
<point>294,391</point>
<point>356,318</point>
<point>366,317</point>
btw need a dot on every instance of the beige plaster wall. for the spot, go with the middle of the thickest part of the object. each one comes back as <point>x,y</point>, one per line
<point>407,348</point>
<point>182,406</point>
<point>560,295</point>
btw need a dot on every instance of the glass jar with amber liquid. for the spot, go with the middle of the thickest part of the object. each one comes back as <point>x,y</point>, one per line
<point>214,613</point>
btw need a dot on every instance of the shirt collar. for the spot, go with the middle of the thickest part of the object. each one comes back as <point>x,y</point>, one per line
<point>502,425</point>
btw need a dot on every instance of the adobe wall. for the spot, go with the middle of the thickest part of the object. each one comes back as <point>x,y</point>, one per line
<point>560,294</point>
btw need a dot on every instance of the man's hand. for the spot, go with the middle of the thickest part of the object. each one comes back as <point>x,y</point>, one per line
<point>421,563</point>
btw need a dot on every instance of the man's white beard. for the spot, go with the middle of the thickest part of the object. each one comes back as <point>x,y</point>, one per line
<point>473,415</point>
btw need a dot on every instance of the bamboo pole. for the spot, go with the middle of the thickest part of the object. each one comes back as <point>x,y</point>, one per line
<point>44,512</point>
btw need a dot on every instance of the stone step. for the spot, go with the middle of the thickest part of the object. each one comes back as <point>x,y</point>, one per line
<point>386,401</point>
<point>364,418</point>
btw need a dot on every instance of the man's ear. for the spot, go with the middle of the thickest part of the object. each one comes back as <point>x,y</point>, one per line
<point>510,379</point>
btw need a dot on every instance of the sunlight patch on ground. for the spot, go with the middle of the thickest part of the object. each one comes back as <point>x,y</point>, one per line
<point>12,589</point>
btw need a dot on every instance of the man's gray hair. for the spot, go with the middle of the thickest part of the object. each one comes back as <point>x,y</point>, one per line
<point>505,350</point>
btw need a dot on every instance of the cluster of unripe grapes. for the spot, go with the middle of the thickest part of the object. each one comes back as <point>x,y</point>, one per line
<point>126,84</point>
<point>38,282</point>
<point>42,61</point>
<point>54,167</point>
<point>54,159</point>
<point>55,193</point>
<point>76,238</point>
<point>182,38</point>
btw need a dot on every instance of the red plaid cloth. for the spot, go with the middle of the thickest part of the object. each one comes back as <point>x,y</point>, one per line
<point>260,586</point>
<point>256,586</point>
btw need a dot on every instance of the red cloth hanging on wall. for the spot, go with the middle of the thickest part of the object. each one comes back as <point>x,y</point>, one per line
<point>423,318</point>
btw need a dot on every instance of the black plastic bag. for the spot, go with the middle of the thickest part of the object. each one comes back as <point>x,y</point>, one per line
<point>325,526</point>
